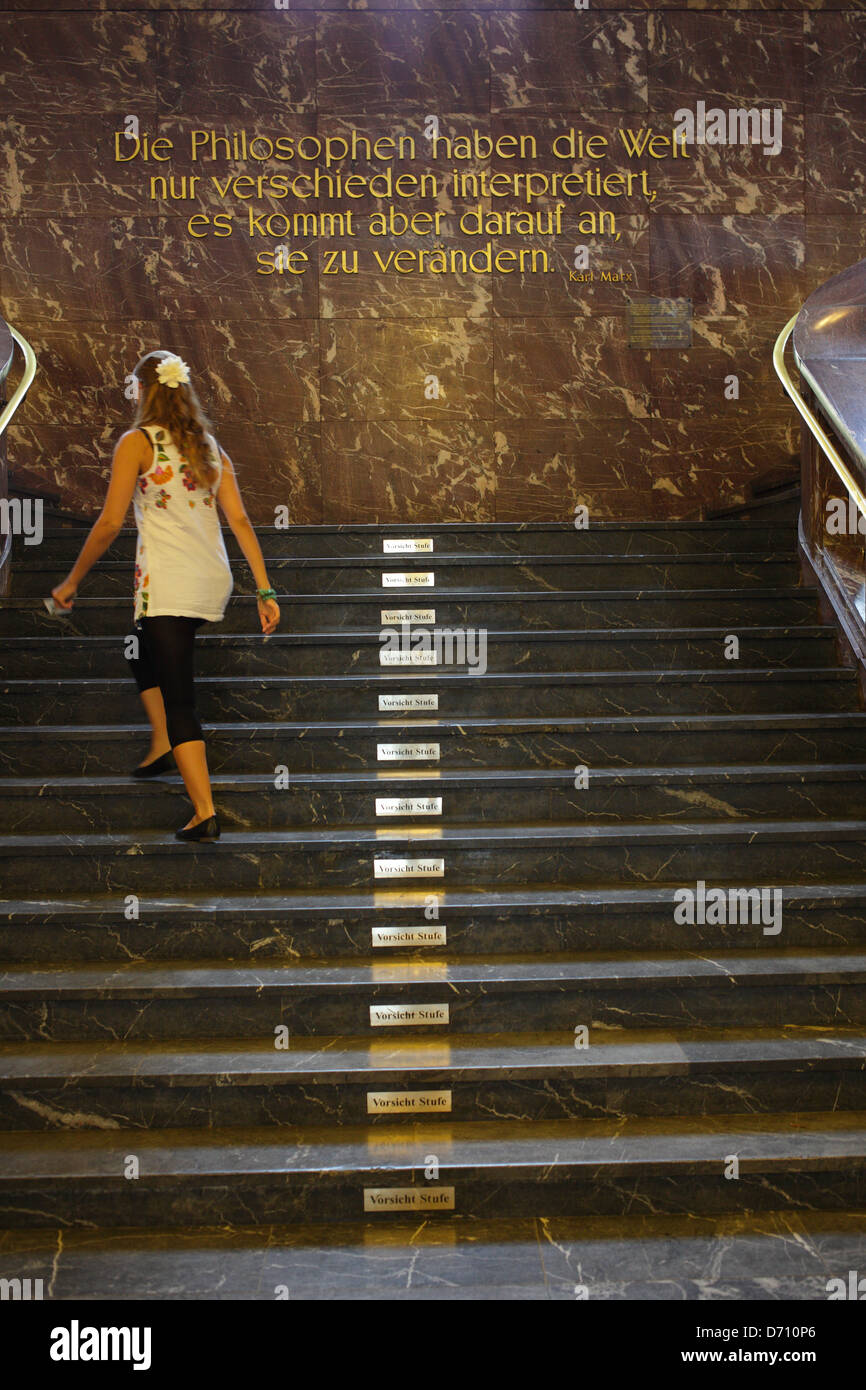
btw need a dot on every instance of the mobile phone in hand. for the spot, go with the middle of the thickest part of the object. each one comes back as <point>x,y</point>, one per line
<point>54,609</point>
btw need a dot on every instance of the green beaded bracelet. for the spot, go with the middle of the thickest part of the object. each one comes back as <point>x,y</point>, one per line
<point>266,593</point>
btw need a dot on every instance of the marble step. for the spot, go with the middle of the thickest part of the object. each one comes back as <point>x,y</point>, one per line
<point>354,655</point>
<point>457,696</point>
<point>469,744</point>
<point>435,578</point>
<point>77,805</point>
<point>814,1162</point>
<point>399,924</point>
<point>760,853</point>
<point>61,544</point>
<point>351,1081</point>
<point>667,1258</point>
<point>587,609</point>
<point>173,1000</point>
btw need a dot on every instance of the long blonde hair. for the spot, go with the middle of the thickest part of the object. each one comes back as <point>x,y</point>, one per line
<point>177,408</point>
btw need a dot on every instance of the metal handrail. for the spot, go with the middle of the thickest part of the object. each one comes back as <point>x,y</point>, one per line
<point>6,415</point>
<point>24,384</point>
<point>812,421</point>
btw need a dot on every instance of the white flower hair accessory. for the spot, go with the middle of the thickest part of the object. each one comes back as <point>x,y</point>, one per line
<point>172,372</point>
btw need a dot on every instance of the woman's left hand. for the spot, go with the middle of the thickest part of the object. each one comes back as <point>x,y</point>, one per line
<point>64,594</point>
<point>269,615</point>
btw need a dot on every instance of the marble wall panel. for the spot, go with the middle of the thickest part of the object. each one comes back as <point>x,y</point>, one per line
<point>714,455</point>
<point>729,265</point>
<point>79,268</point>
<point>72,64</point>
<point>236,66</point>
<point>832,244</point>
<point>56,168</point>
<point>695,382</point>
<point>247,372</point>
<point>835,164</point>
<point>430,470</point>
<point>727,61</point>
<point>277,465</point>
<point>835,61</point>
<point>628,469</point>
<point>82,374</point>
<point>553,62</point>
<point>561,368</point>
<point>370,63</point>
<point>547,468</point>
<point>384,368</point>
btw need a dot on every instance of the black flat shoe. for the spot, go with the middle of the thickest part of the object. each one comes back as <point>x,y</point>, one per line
<point>164,763</point>
<point>205,830</point>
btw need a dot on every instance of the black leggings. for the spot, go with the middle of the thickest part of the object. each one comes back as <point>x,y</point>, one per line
<point>165,651</point>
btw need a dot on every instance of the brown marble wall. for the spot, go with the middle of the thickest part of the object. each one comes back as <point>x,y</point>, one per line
<point>316,383</point>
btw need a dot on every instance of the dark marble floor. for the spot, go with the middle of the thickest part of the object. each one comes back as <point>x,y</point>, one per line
<point>776,1256</point>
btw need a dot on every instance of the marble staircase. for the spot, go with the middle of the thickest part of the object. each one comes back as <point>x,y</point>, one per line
<point>454,982</point>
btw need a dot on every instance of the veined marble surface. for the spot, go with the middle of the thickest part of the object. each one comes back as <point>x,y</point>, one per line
<point>317,384</point>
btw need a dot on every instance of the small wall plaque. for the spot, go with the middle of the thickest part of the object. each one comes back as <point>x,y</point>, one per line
<point>408,702</point>
<point>401,1015</point>
<point>659,323</point>
<point>408,806</point>
<point>408,868</point>
<point>408,1102</point>
<point>392,617</point>
<point>407,752</point>
<point>422,657</point>
<point>408,1198</point>
<point>414,579</point>
<point>409,936</point>
<point>410,546</point>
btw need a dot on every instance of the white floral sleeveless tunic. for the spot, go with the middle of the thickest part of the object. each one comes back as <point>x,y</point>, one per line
<point>181,565</point>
